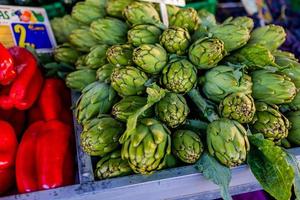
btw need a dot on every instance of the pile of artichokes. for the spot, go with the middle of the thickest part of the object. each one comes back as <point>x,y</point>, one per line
<point>142,83</point>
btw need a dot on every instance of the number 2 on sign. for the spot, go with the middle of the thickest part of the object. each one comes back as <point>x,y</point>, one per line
<point>22,31</point>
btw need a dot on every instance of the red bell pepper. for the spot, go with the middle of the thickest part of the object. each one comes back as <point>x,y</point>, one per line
<point>45,157</point>
<point>7,70</point>
<point>16,118</point>
<point>24,90</point>
<point>8,150</point>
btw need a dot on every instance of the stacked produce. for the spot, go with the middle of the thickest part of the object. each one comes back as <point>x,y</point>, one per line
<point>143,86</point>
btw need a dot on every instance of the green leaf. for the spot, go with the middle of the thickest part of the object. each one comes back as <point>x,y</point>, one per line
<point>217,173</point>
<point>269,165</point>
<point>296,166</point>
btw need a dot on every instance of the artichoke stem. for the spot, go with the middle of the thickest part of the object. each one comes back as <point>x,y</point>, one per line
<point>196,124</point>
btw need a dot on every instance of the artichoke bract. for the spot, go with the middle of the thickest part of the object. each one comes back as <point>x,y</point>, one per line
<point>128,81</point>
<point>109,31</point>
<point>172,109</point>
<point>97,98</point>
<point>80,62</point>
<point>98,3</point>
<point>79,79</point>
<point>187,146</point>
<point>224,80</point>
<point>82,39</point>
<point>294,133</point>
<point>66,53</point>
<point>128,106</point>
<point>150,58</point>
<point>175,40</point>
<point>238,106</point>
<point>97,57</point>
<point>243,21</point>
<point>205,53</point>
<point>227,140</point>
<point>207,18</point>
<point>179,76</point>
<point>103,73</point>
<point>101,136</point>
<point>143,34</point>
<point>272,88</point>
<point>87,13</point>
<point>270,122</point>
<point>111,166</point>
<point>120,55</point>
<point>295,104</point>
<point>186,18</point>
<point>115,8</point>
<point>270,36</point>
<point>148,146</point>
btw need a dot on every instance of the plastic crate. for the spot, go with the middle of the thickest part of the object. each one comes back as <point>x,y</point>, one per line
<point>209,5</point>
<point>295,5</point>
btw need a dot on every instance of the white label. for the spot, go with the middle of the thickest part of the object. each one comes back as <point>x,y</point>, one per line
<point>250,6</point>
<point>170,2</point>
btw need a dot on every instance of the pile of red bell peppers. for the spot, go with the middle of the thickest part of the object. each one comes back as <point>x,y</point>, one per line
<point>37,141</point>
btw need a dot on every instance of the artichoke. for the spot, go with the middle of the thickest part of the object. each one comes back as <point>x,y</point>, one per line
<point>103,73</point>
<point>80,62</point>
<point>270,122</point>
<point>295,104</point>
<point>101,136</point>
<point>115,8</point>
<point>97,98</point>
<point>175,40</point>
<point>221,81</point>
<point>128,81</point>
<point>86,13</point>
<point>238,106</point>
<point>109,31</point>
<point>82,39</point>
<point>141,13</point>
<point>179,76</point>
<point>143,34</point>
<point>171,9</point>
<point>243,21</point>
<point>172,109</point>
<point>66,54</point>
<point>272,88</point>
<point>294,133</point>
<point>186,18</point>
<point>207,19</point>
<point>148,146</point>
<point>98,3</point>
<point>187,146</point>
<point>78,80</point>
<point>227,140</point>
<point>270,36</point>
<point>150,58</point>
<point>97,56</point>
<point>205,53</point>
<point>128,106</point>
<point>120,55</point>
<point>112,165</point>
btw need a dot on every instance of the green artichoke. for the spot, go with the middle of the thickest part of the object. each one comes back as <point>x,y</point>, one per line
<point>238,106</point>
<point>187,146</point>
<point>120,55</point>
<point>115,8</point>
<point>175,40</point>
<point>207,19</point>
<point>141,13</point>
<point>98,3</point>
<point>205,53</point>
<point>143,34</point>
<point>103,73</point>
<point>270,36</point>
<point>172,110</point>
<point>128,81</point>
<point>233,36</point>
<point>272,88</point>
<point>66,54</point>
<point>128,106</point>
<point>294,133</point>
<point>270,122</point>
<point>295,104</point>
<point>221,81</point>
<point>109,31</point>
<point>186,18</point>
<point>243,21</point>
<point>179,76</point>
<point>78,80</point>
<point>80,62</point>
<point>171,9</point>
<point>97,98</point>
<point>97,57</point>
<point>82,39</point>
<point>150,58</point>
<point>111,166</point>
<point>101,136</point>
<point>148,146</point>
<point>227,140</point>
<point>86,13</point>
